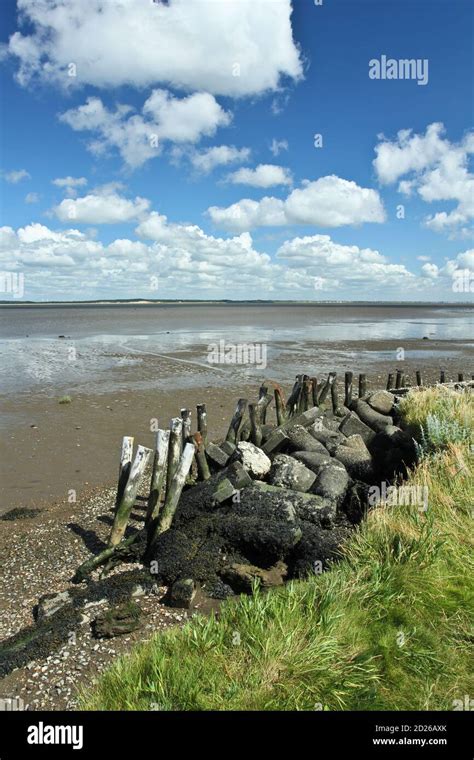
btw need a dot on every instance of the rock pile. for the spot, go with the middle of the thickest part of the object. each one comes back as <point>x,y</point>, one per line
<point>282,509</point>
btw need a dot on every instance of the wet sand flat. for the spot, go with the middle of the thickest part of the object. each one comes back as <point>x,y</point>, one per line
<point>124,367</point>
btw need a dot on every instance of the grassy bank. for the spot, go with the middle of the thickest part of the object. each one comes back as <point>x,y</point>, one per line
<point>387,628</point>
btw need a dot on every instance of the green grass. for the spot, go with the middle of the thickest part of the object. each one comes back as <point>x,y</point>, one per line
<point>387,628</point>
<point>65,400</point>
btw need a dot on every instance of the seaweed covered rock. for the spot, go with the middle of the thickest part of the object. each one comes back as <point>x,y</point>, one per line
<point>241,577</point>
<point>317,548</point>
<point>394,452</point>
<point>116,621</point>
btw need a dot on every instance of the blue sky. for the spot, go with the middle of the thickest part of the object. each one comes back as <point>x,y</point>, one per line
<point>382,211</point>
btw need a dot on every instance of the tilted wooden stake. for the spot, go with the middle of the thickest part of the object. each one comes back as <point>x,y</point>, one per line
<point>279,405</point>
<point>293,399</point>
<point>160,463</point>
<point>362,385</point>
<point>326,388</point>
<point>348,378</point>
<point>174,449</point>
<point>263,403</point>
<point>398,381</point>
<point>236,420</point>
<point>204,472</point>
<point>255,414</point>
<point>390,381</point>
<point>125,464</point>
<point>174,491</point>
<point>314,390</point>
<point>122,515</point>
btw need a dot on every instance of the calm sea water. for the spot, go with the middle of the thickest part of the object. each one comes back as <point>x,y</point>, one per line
<point>111,347</point>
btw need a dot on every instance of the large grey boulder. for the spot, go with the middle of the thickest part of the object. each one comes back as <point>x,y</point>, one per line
<point>373,419</point>
<point>356,442</point>
<point>288,472</point>
<point>253,459</point>
<point>301,440</point>
<point>273,503</point>
<point>381,401</point>
<point>275,442</point>
<point>352,425</point>
<point>357,462</point>
<point>332,482</point>
<point>329,438</point>
<point>313,460</point>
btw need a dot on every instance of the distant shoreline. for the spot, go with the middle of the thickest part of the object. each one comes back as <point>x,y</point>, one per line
<point>228,302</point>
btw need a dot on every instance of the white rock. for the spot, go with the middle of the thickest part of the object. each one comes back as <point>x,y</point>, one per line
<point>253,459</point>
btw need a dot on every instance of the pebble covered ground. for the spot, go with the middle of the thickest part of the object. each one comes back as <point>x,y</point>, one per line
<point>39,556</point>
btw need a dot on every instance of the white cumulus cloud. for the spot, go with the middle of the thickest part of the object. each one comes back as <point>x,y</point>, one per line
<point>101,209</point>
<point>264,175</point>
<point>326,202</point>
<point>437,169</point>
<point>229,47</point>
<point>139,137</point>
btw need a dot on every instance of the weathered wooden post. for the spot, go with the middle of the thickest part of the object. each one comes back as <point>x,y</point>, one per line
<point>442,376</point>
<point>127,501</point>
<point>174,491</point>
<point>236,421</point>
<point>124,468</point>
<point>326,388</point>
<point>314,390</point>
<point>279,405</point>
<point>398,381</point>
<point>263,402</point>
<point>460,377</point>
<point>334,395</point>
<point>293,399</point>
<point>202,421</point>
<point>255,414</point>
<point>306,395</point>
<point>160,462</point>
<point>348,377</point>
<point>174,449</point>
<point>362,385</point>
<point>204,472</point>
<point>390,381</point>
<point>419,380</point>
<point>186,417</point>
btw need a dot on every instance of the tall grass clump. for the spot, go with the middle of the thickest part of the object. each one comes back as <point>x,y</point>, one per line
<point>389,627</point>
